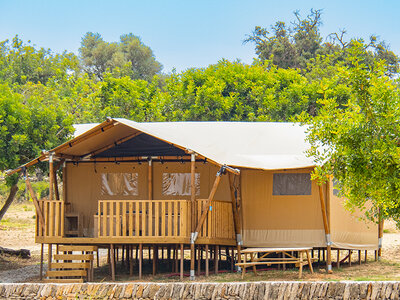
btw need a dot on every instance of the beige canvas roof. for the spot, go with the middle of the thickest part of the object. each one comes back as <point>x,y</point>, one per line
<point>256,145</point>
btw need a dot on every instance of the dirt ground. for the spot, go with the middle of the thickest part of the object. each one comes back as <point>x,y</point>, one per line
<point>17,231</point>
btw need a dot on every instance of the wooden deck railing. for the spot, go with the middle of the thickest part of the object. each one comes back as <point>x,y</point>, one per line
<point>161,218</point>
<point>143,218</point>
<point>53,214</point>
<point>219,221</point>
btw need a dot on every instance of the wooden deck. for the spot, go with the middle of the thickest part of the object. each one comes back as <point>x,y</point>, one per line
<point>141,221</point>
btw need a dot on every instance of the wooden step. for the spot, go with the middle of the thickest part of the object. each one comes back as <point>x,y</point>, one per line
<point>65,280</point>
<point>66,273</point>
<point>73,257</point>
<point>70,265</point>
<point>77,248</point>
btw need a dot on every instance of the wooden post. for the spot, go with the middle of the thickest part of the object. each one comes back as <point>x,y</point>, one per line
<point>350,252</point>
<point>380,235</point>
<point>112,260</point>
<point>155,257</point>
<point>338,258</point>
<point>198,260</point>
<point>365,256</point>
<point>35,202</point>
<point>182,258</point>
<point>327,231</point>
<point>216,255</point>
<point>41,261</point>
<point>193,218</point>
<point>150,180</point>
<point>140,260</point>
<point>236,220</point>
<point>359,257</point>
<point>131,260</point>
<point>51,176</point>
<point>207,261</point>
<point>49,256</point>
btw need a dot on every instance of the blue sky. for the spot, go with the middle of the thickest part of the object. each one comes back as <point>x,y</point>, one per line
<point>186,34</point>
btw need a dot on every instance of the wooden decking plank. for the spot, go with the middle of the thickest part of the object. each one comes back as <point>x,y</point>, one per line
<point>77,248</point>
<point>66,273</point>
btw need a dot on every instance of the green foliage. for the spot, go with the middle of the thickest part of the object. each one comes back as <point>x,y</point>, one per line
<point>130,57</point>
<point>298,45</point>
<point>232,91</point>
<point>358,142</point>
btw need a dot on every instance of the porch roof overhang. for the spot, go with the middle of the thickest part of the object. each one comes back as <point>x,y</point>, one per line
<point>254,145</point>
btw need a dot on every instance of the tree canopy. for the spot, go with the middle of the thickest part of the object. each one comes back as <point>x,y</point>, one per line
<point>358,142</point>
<point>129,57</point>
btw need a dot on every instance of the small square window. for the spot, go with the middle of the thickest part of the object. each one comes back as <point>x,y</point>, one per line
<point>291,184</point>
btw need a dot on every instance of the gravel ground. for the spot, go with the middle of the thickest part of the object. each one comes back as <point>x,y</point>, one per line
<point>22,274</point>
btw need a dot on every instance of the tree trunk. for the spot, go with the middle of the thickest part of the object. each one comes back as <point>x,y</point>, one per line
<point>10,199</point>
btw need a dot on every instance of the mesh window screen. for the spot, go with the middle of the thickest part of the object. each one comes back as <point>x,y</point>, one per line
<point>335,191</point>
<point>291,184</point>
<point>178,184</point>
<point>119,184</point>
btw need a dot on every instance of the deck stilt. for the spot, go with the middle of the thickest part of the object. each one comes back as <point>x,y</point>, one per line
<point>155,256</point>
<point>182,258</point>
<point>207,261</point>
<point>41,261</point>
<point>113,262</point>
<point>216,256</point>
<point>140,260</point>
<point>50,254</point>
<point>131,261</point>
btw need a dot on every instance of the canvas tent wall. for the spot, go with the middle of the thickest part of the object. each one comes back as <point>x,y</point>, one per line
<point>273,220</point>
<point>87,183</point>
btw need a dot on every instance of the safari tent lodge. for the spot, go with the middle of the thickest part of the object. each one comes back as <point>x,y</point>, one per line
<point>203,188</point>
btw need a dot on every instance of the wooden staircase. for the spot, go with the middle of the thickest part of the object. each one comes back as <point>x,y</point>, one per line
<point>72,263</point>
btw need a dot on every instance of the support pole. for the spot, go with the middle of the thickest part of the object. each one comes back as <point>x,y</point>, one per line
<point>112,260</point>
<point>216,256</point>
<point>150,180</point>
<point>35,202</point>
<point>51,176</point>
<point>155,258</point>
<point>327,231</point>
<point>49,256</point>
<point>182,258</point>
<point>41,261</point>
<point>236,220</point>
<point>380,235</point>
<point>207,261</point>
<point>140,260</point>
<point>193,219</point>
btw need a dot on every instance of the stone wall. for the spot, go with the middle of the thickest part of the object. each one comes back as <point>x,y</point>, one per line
<point>232,290</point>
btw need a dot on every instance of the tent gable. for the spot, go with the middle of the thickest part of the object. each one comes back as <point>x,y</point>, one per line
<point>142,145</point>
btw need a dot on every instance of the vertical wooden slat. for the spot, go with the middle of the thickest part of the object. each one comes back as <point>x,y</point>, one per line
<point>51,216</point>
<point>169,218</point>
<point>209,220</point>
<point>57,217</point>
<point>150,219</point>
<point>130,227</point>
<point>176,218</point>
<point>124,212</point>
<point>163,216</point>
<point>137,218</point>
<point>62,217</point>
<point>157,219</point>
<point>143,218</point>
<point>118,218</point>
<point>183,219</point>
<point>106,217</point>
<point>111,219</point>
<point>46,218</point>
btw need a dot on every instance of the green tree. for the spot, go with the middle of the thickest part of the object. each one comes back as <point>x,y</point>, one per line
<point>129,57</point>
<point>359,142</point>
<point>28,124</point>
<point>21,63</point>
<point>298,45</point>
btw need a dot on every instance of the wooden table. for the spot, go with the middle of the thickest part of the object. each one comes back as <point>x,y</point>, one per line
<point>259,256</point>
